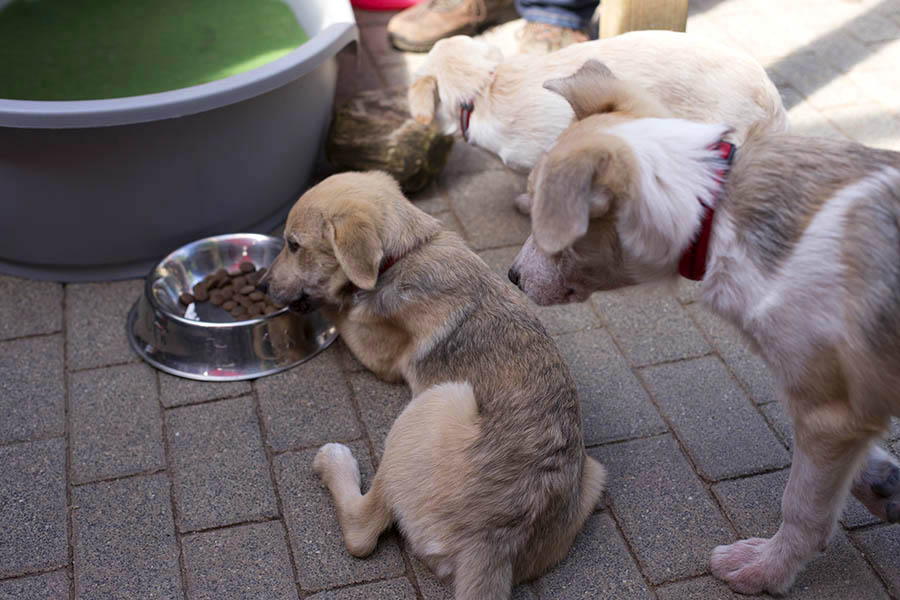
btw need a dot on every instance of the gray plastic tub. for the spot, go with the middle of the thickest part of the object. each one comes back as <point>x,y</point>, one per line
<point>101,189</point>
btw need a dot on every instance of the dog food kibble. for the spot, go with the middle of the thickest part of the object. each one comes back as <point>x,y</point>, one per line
<point>201,293</point>
<point>235,292</point>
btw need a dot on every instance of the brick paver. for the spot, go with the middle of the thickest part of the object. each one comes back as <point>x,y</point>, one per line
<point>124,540</point>
<point>663,509</point>
<point>614,406</point>
<point>651,327</point>
<point>219,471</point>
<point>32,390</point>
<point>116,425</point>
<point>598,566</point>
<point>29,307</point>
<point>33,501</point>
<point>881,546</point>
<point>307,405</point>
<point>247,561</point>
<point>48,586</point>
<point>722,432</point>
<point>735,350</point>
<point>394,588</point>
<point>119,482</point>
<point>96,323</point>
<point>178,391</point>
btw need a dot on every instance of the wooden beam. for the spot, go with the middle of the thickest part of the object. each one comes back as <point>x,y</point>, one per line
<point>619,16</point>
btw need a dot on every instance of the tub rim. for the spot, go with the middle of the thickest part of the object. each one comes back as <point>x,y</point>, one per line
<point>73,114</point>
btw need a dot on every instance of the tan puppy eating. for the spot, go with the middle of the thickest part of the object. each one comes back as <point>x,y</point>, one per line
<point>466,86</point>
<point>484,472</point>
<point>796,242</point>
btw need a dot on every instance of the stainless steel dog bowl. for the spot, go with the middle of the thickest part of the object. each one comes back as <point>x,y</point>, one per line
<point>213,346</point>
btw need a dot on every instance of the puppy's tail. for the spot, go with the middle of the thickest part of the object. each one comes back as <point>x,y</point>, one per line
<point>776,119</point>
<point>763,128</point>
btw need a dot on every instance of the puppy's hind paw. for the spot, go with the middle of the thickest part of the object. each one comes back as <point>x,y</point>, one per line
<point>523,204</point>
<point>336,461</point>
<point>748,567</point>
<point>877,486</point>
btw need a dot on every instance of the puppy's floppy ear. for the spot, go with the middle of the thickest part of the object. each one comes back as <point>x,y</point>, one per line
<point>423,99</point>
<point>581,88</point>
<point>567,196</point>
<point>357,247</point>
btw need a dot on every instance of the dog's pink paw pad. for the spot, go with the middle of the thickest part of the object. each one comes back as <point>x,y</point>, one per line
<point>747,569</point>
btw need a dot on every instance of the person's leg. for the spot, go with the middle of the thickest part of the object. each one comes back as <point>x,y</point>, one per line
<point>554,24</point>
<point>571,14</point>
<point>417,28</point>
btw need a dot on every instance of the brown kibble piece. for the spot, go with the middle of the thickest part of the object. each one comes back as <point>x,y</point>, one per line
<point>239,312</point>
<point>227,292</point>
<point>257,296</point>
<point>278,305</point>
<point>201,294</point>
<point>243,300</point>
<point>229,305</point>
<point>186,298</point>
<point>239,282</point>
<point>216,299</point>
<point>247,290</point>
<point>247,267</point>
<point>258,308</point>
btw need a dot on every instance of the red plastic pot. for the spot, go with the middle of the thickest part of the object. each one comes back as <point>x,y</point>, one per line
<point>383,4</point>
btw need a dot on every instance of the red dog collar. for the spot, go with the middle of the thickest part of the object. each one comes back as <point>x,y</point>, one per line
<point>693,262</point>
<point>465,113</point>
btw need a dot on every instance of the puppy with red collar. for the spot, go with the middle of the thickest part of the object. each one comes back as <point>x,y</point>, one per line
<point>796,241</point>
<point>484,472</point>
<point>466,86</point>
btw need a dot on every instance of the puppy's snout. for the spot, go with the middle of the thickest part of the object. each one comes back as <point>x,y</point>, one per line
<point>263,284</point>
<point>514,276</point>
<point>303,304</point>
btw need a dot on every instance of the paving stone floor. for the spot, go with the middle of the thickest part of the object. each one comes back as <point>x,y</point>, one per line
<point>120,482</point>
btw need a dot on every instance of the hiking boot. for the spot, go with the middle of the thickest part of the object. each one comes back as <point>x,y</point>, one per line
<point>541,38</point>
<point>417,28</point>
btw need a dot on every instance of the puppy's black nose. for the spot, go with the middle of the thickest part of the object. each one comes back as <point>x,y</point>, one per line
<point>263,286</point>
<point>513,276</point>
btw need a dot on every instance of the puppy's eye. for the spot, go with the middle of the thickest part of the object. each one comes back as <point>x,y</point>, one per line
<point>293,246</point>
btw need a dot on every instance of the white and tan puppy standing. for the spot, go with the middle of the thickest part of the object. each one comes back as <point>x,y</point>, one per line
<point>803,256</point>
<point>466,86</point>
<point>484,472</point>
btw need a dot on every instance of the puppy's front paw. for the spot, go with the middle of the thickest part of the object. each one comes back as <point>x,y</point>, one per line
<point>336,460</point>
<point>877,486</point>
<point>523,204</point>
<point>750,567</point>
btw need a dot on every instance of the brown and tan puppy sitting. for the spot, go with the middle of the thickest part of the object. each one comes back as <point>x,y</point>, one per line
<point>484,471</point>
<point>797,243</point>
